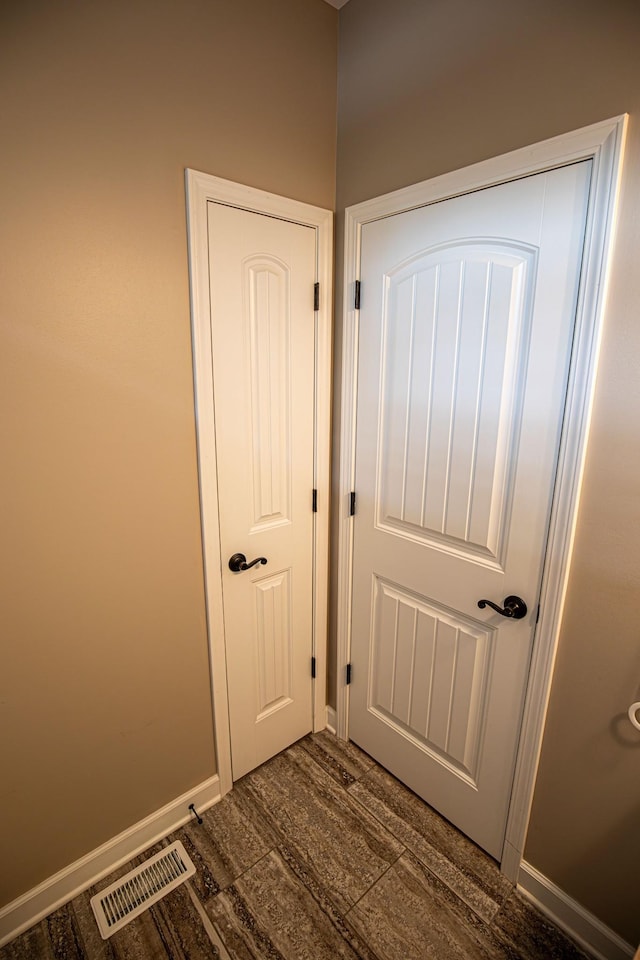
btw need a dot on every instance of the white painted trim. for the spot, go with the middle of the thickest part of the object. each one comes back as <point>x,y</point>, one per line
<point>202,188</point>
<point>348,405</point>
<point>603,144</point>
<point>589,932</point>
<point>32,906</point>
<point>331,720</point>
<point>324,391</point>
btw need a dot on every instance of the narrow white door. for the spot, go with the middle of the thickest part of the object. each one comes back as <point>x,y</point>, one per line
<point>262,273</point>
<point>466,326</point>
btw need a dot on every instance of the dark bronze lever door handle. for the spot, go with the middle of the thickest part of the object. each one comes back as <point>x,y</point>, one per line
<point>238,562</point>
<point>514,607</point>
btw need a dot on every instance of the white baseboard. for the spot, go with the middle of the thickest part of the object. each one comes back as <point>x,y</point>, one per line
<point>589,932</point>
<point>32,906</point>
<point>331,720</point>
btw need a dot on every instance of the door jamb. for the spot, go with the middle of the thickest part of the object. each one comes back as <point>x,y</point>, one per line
<point>603,143</point>
<point>201,188</point>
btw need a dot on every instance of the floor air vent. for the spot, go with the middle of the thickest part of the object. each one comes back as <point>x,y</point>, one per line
<point>131,895</point>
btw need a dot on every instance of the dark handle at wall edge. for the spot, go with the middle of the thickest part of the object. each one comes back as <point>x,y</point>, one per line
<point>238,562</point>
<point>514,607</point>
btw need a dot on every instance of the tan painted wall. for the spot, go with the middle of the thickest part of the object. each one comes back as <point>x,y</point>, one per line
<point>429,87</point>
<point>104,693</point>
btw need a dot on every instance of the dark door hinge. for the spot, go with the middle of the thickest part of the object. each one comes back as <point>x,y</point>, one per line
<point>538,613</point>
<point>314,501</point>
<point>316,296</point>
<point>352,503</point>
<point>348,674</point>
<point>313,668</point>
<point>357,296</point>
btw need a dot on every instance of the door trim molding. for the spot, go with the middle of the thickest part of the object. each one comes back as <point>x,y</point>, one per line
<point>584,927</point>
<point>200,189</point>
<point>603,143</point>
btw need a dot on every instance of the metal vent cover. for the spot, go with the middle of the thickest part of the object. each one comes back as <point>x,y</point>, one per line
<point>130,896</point>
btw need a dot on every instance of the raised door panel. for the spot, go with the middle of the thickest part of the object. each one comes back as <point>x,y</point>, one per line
<point>456,326</point>
<point>266,282</point>
<point>428,675</point>
<point>273,644</point>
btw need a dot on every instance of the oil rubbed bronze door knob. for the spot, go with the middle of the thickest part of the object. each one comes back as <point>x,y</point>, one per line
<point>514,607</point>
<point>238,562</point>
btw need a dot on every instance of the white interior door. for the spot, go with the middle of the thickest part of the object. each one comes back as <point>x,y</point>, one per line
<point>466,327</point>
<point>262,274</point>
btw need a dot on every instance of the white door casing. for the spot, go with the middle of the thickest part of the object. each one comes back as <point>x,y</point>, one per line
<point>603,144</point>
<point>230,367</point>
<point>467,319</point>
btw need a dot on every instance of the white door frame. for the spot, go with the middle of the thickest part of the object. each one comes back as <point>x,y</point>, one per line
<point>202,188</point>
<point>603,143</point>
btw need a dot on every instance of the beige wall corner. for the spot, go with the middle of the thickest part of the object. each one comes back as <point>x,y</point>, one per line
<point>428,88</point>
<point>104,692</point>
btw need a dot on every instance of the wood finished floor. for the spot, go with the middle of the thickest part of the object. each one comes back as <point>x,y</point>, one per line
<point>319,853</point>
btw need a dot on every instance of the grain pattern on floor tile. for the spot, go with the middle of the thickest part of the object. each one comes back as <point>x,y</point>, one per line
<point>343,761</point>
<point>532,935</point>
<point>182,926</point>
<point>229,841</point>
<point>270,913</point>
<point>439,845</point>
<point>211,875</point>
<point>94,946</point>
<point>212,933</point>
<point>334,846</point>
<point>64,934</point>
<point>319,894</point>
<point>29,945</point>
<point>239,929</point>
<point>410,913</point>
<point>169,930</point>
<point>341,843</point>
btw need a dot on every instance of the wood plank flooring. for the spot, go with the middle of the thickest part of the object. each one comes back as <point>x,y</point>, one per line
<point>319,854</point>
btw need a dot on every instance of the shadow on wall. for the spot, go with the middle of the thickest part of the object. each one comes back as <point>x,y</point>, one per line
<point>621,843</point>
<point>624,734</point>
